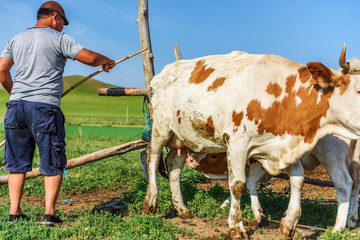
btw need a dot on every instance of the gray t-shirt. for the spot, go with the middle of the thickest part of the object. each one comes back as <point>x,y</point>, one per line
<point>39,56</point>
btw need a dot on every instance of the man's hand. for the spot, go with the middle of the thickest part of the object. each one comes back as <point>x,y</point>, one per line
<point>108,66</point>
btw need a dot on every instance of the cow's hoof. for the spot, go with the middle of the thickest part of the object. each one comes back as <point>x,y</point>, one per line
<point>149,209</point>
<point>185,215</point>
<point>236,233</point>
<point>285,230</point>
<point>352,222</point>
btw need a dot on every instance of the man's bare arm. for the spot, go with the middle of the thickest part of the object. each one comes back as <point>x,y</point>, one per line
<point>94,59</point>
<point>5,77</point>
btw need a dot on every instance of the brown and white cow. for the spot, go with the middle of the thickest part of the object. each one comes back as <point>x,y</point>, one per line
<point>331,151</point>
<point>252,106</point>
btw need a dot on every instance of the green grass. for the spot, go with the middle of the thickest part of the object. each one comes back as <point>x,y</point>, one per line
<point>88,226</point>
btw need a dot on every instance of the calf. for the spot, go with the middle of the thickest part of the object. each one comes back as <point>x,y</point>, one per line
<point>331,151</point>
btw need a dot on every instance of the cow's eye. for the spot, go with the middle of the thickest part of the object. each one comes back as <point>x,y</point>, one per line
<point>358,91</point>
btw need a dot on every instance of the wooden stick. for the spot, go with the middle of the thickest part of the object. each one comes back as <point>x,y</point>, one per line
<point>2,143</point>
<point>122,91</point>
<point>299,225</point>
<point>99,71</point>
<point>91,157</point>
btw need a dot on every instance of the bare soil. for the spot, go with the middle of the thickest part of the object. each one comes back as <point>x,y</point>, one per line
<point>203,229</point>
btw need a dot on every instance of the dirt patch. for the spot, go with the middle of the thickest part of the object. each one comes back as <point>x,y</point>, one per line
<point>215,229</point>
<point>83,201</point>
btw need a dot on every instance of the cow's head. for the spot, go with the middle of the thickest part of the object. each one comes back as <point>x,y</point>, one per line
<point>344,86</point>
<point>215,163</point>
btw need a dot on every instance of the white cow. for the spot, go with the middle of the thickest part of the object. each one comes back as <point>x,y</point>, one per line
<point>251,106</point>
<point>333,152</point>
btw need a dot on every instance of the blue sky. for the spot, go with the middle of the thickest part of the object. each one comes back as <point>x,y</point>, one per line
<point>302,31</point>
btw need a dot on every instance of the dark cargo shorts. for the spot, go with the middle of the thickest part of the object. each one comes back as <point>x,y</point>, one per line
<point>27,123</point>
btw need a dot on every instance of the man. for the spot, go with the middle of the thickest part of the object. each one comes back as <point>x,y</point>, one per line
<point>33,111</point>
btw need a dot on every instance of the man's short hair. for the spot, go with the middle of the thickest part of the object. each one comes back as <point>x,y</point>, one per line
<point>44,12</point>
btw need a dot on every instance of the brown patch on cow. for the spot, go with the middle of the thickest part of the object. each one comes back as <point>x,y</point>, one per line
<point>274,89</point>
<point>237,189</point>
<point>289,116</point>
<point>217,83</point>
<point>343,83</point>
<point>178,116</point>
<point>304,75</point>
<point>237,118</point>
<point>237,214</point>
<point>206,129</point>
<point>213,164</point>
<point>200,73</point>
<point>210,123</point>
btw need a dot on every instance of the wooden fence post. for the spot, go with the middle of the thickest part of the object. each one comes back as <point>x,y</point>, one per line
<point>147,56</point>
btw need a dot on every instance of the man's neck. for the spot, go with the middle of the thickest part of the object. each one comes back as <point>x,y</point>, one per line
<point>43,23</point>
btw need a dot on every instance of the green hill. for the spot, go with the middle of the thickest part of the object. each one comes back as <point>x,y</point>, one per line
<point>90,86</point>
<point>83,106</point>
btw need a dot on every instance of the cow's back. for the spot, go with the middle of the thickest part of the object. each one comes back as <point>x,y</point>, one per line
<point>210,95</point>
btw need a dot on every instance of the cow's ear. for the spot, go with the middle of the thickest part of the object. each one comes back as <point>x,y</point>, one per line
<point>322,74</point>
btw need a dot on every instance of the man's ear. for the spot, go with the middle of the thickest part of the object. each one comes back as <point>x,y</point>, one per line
<point>55,17</point>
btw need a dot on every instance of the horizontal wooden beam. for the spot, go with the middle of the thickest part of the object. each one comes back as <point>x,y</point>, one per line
<point>122,92</point>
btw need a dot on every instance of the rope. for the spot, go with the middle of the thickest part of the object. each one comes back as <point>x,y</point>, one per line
<point>66,175</point>
<point>67,201</point>
<point>146,134</point>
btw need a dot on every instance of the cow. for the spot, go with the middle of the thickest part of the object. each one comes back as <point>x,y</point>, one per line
<point>251,106</point>
<point>333,152</point>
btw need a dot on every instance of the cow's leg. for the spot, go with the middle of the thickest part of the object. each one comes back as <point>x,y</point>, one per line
<point>292,215</point>
<point>343,183</point>
<point>256,173</point>
<point>354,196</point>
<point>237,178</point>
<point>226,202</point>
<point>175,164</point>
<point>159,138</point>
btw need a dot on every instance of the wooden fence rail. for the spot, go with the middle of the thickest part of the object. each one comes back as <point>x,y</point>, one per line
<point>117,92</point>
<point>91,157</point>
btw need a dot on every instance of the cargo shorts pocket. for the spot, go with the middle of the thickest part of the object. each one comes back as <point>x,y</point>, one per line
<point>44,120</point>
<point>11,120</point>
<point>59,157</point>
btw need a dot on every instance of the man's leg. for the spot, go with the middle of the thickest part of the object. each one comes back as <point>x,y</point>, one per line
<point>52,187</point>
<point>16,187</point>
